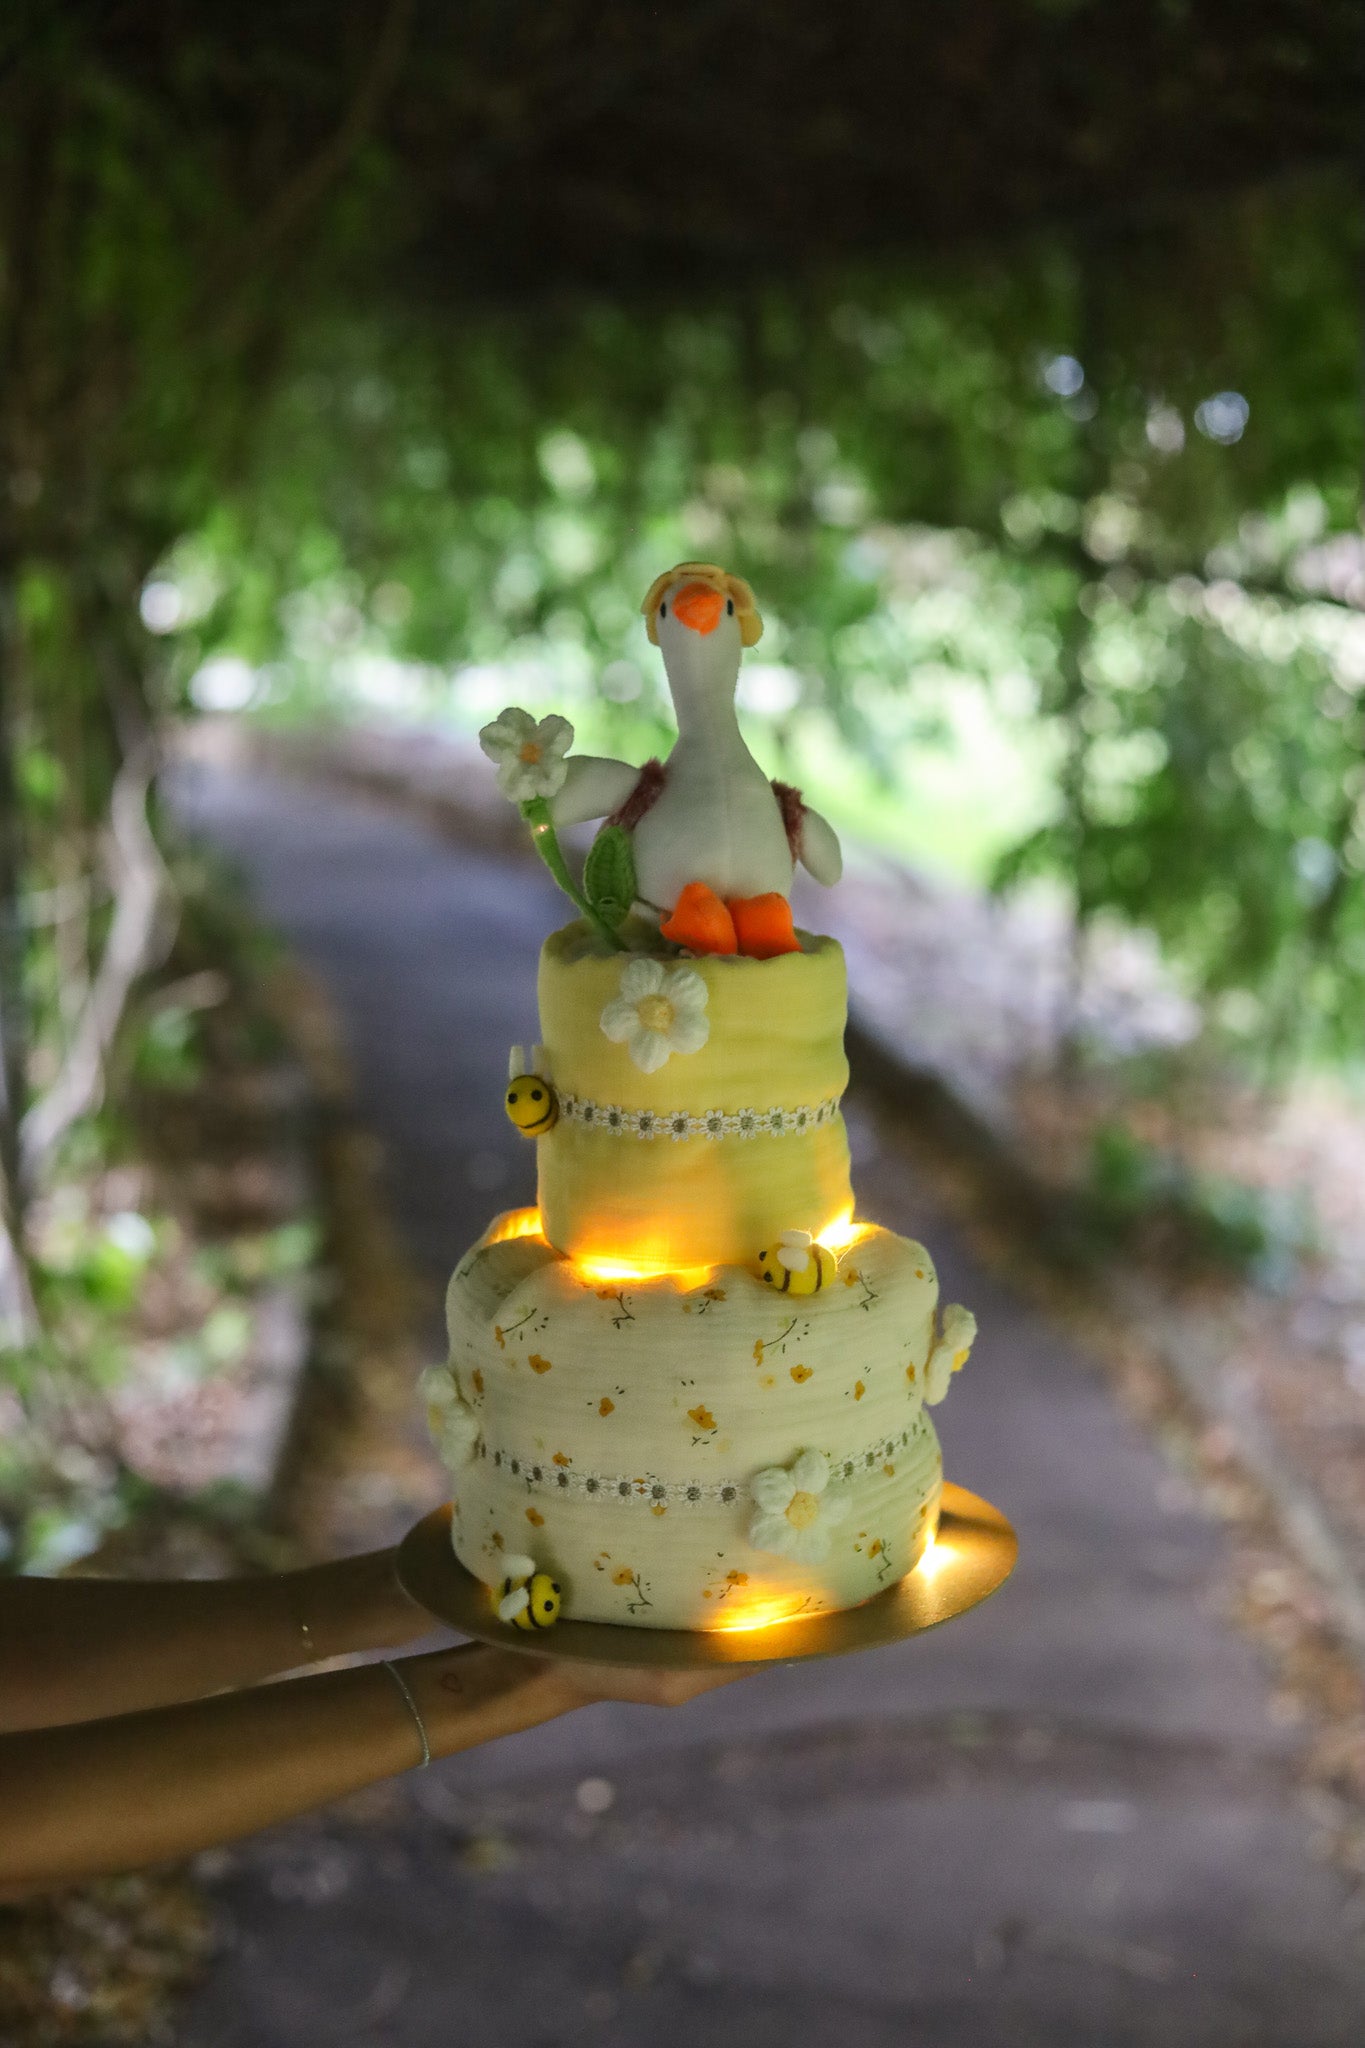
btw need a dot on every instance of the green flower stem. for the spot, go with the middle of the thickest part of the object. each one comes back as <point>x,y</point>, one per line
<point>537,816</point>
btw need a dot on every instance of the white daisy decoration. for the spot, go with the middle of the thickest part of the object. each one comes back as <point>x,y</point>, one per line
<point>797,1512</point>
<point>659,1011</point>
<point>528,753</point>
<point>452,1421</point>
<point>951,1352</point>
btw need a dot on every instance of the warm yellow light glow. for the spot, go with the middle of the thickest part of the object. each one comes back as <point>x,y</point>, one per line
<point>838,1234</point>
<point>612,1271</point>
<point>758,1614</point>
<point>516,1223</point>
<point>937,1554</point>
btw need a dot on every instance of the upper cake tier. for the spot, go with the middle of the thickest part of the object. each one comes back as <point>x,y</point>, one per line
<point>734,1138</point>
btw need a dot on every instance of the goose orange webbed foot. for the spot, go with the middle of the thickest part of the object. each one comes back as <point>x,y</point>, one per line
<point>763,925</point>
<point>701,922</point>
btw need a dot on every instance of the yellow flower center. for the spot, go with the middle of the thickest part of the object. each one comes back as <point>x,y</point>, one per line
<point>530,754</point>
<point>803,1509</point>
<point>655,1013</point>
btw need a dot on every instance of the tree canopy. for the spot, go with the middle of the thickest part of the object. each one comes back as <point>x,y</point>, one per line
<point>1015,343</point>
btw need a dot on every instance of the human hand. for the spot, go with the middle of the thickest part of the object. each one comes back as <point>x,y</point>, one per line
<point>586,1684</point>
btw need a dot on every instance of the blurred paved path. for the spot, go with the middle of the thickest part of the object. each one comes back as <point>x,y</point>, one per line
<point>1066,1818</point>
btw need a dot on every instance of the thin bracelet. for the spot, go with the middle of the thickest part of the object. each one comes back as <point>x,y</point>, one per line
<point>396,1675</point>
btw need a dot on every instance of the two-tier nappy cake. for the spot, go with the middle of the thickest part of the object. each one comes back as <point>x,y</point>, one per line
<point>690,1388</point>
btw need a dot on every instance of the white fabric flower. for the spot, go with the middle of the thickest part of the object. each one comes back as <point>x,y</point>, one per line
<point>659,1011</point>
<point>528,753</point>
<point>797,1512</point>
<point>950,1353</point>
<point>453,1422</point>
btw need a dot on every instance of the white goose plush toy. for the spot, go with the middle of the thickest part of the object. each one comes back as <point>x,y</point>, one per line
<point>715,842</point>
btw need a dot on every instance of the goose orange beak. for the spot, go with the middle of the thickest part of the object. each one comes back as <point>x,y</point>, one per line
<point>699,606</point>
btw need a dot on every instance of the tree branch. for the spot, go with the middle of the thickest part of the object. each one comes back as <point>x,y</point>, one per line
<point>306,188</point>
<point>139,933</point>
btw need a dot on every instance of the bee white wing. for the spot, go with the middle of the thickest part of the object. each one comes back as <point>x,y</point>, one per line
<point>793,1250</point>
<point>516,1063</point>
<point>518,1567</point>
<point>514,1603</point>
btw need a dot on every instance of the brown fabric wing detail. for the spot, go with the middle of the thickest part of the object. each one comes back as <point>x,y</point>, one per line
<point>793,811</point>
<point>642,798</point>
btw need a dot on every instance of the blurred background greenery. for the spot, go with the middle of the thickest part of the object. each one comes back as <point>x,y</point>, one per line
<point>368,362</point>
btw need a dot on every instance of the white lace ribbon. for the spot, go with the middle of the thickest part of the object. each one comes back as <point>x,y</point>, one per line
<point>708,1123</point>
<point>538,1474</point>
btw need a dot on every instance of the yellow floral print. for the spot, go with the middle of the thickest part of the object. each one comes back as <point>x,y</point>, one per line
<point>477,1379</point>
<point>702,1416</point>
<point>498,1337</point>
<point>606,1406</point>
<point>625,1577</point>
<point>535,1518</point>
<point>801,1373</point>
<point>736,1578</point>
<point>758,1351</point>
<point>537,1363</point>
<point>858,1390</point>
<point>851,1276</point>
<point>562,1458</point>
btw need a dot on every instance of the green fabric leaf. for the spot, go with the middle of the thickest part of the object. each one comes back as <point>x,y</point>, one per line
<point>609,875</point>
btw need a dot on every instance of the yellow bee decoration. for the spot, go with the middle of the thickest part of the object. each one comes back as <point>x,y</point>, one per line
<point>527,1598</point>
<point>796,1264</point>
<point>531,1102</point>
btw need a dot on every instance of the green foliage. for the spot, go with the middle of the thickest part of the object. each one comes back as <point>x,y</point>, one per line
<point>609,875</point>
<point>166,1051</point>
<point>1007,631</point>
<point>1201,1218</point>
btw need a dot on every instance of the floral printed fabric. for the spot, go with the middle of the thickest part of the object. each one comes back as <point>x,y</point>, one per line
<point>658,1012</point>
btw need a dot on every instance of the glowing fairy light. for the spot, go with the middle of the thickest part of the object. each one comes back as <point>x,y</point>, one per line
<point>757,1615</point>
<point>937,1555</point>
<point>838,1234</point>
<point>515,1223</point>
<point>685,1278</point>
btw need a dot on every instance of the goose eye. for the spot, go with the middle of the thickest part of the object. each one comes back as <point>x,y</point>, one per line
<point>663,611</point>
<point>730,607</point>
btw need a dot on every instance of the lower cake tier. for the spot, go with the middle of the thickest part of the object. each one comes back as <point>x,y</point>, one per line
<point>697,1451</point>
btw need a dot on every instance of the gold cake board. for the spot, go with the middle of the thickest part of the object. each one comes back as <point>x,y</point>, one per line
<point>973,1555</point>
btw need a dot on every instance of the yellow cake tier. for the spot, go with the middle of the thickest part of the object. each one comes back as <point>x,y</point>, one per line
<point>614,1433</point>
<point>712,1157</point>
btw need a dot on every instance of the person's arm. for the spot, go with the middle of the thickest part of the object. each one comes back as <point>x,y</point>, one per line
<point>79,1802</point>
<point>75,1649</point>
